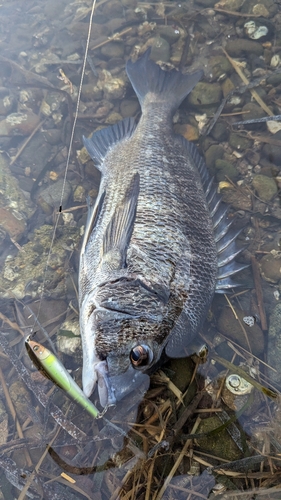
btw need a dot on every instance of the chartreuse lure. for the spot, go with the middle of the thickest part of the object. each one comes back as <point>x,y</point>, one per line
<point>52,368</point>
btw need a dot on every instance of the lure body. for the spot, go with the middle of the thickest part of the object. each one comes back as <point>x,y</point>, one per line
<point>53,369</point>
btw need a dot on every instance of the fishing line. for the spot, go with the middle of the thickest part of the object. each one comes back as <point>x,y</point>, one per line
<point>68,158</point>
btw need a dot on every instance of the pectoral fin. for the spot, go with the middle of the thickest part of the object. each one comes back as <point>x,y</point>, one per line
<point>93,215</point>
<point>120,228</point>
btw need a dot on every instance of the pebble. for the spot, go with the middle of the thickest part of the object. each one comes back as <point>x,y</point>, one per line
<point>205,94</point>
<point>275,61</point>
<point>252,111</point>
<point>221,445</point>
<point>212,154</point>
<point>273,126</point>
<point>272,152</point>
<point>19,123</point>
<point>188,131</point>
<point>229,326</point>
<point>50,197</point>
<point>129,107</point>
<point>218,67</point>
<point>225,169</point>
<point>160,50</point>
<point>113,49</point>
<point>239,142</point>
<point>237,47</point>
<point>266,187</point>
<point>270,266</point>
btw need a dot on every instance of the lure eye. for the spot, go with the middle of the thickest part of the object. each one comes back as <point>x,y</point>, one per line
<point>36,348</point>
<point>139,355</point>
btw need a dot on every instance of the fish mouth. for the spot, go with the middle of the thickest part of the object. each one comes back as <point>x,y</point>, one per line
<point>114,388</point>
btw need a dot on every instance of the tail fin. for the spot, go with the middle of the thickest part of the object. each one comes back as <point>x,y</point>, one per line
<point>169,86</point>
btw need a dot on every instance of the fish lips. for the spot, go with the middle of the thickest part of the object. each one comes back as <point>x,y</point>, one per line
<point>114,388</point>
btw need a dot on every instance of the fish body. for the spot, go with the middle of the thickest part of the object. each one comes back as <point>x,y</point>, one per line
<point>157,242</point>
<point>53,369</point>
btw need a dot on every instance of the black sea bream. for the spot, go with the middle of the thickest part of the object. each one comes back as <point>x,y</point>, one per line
<point>157,243</point>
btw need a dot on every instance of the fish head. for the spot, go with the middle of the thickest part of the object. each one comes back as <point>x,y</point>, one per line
<point>124,350</point>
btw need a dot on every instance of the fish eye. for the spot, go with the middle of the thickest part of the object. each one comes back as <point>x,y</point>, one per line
<point>139,355</point>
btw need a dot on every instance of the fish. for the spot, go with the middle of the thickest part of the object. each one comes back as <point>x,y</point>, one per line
<point>157,245</point>
<point>54,370</point>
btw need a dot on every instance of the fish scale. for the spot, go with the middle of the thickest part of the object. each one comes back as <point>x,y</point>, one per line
<point>157,243</point>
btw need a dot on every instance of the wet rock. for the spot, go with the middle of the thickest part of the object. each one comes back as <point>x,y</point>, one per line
<point>232,5</point>
<point>68,339</point>
<point>252,111</point>
<point>169,33</point>
<point>160,50</point>
<point>113,9</point>
<point>274,345</point>
<point>129,107</point>
<point>12,224</point>
<point>238,198</point>
<point>205,94</point>
<point>113,118</point>
<point>7,101</point>
<point>35,155</point>
<point>231,328</point>
<point>260,10</point>
<point>19,124</point>
<point>227,86</point>
<point>50,197</point>
<point>79,194</point>
<point>23,274</point>
<point>14,207</point>
<point>182,371</point>
<point>270,266</point>
<point>265,186</point>
<point>54,105</point>
<point>272,152</point>
<point>113,49</point>
<point>219,132</point>
<point>225,169</point>
<point>212,154</point>
<point>254,6</point>
<point>239,142</point>
<point>221,445</point>
<point>260,29</point>
<point>237,47</point>
<point>52,136</point>
<point>90,91</point>
<point>273,127</point>
<point>113,88</point>
<point>188,131</point>
<point>219,67</point>
<point>21,399</point>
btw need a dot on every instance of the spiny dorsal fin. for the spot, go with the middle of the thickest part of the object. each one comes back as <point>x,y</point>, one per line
<point>225,237</point>
<point>102,140</point>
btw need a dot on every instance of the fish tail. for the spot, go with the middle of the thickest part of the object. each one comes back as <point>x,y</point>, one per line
<point>170,87</point>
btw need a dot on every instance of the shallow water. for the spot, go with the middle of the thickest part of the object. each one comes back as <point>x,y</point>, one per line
<point>140,449</point>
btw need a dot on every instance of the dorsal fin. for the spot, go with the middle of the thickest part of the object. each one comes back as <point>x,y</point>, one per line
<point>102,140</point>
<point>225,237</point>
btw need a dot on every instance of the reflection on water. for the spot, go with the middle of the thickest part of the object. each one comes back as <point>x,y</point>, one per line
<point>203,430</point>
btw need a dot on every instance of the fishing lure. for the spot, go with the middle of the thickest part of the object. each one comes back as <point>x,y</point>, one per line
<point>48,364</point>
